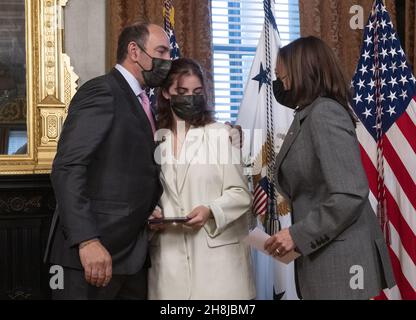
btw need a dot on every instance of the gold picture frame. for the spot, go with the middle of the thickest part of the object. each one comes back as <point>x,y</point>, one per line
<point>51,83</point>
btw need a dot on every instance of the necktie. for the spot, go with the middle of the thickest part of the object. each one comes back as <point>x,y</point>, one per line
<point>146,107</point>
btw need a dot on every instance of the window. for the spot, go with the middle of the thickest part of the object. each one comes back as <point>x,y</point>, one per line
<point>17,140</point>
<point>237,26</point>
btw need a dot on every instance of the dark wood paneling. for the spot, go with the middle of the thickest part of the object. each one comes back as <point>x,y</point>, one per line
<point>26,209</point>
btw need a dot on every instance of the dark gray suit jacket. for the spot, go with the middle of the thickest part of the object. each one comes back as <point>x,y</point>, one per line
<point>319,171</point>
<point>104,175</point>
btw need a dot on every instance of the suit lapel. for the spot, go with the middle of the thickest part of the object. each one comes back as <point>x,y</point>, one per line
<point>287,143</point>
<point>190,148</point>
<point>291,135</point>
<point>166,149</point>
<point>134,103</point>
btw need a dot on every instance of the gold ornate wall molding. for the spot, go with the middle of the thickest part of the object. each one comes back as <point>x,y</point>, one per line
<point>51,84</point>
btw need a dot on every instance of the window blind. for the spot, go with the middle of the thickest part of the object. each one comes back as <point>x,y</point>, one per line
<point>237,26</point>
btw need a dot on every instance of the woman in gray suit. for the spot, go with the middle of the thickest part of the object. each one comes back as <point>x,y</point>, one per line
<point>319,171</point>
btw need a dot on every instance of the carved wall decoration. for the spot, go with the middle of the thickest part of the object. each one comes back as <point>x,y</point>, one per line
<point>51,83</point>
<point>13,112</point>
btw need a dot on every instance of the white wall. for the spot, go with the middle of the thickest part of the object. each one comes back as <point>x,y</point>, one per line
<point>85,37</point>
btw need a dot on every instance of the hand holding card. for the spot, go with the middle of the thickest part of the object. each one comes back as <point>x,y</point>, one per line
<point>257,238</point>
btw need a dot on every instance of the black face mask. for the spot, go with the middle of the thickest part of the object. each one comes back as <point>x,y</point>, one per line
<point>154,77</point>
<point>188,107</point>
<point>282,96</point>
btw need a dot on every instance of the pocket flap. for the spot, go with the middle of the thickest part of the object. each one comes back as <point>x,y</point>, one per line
<point>222,239</point>
<point>110,207</point>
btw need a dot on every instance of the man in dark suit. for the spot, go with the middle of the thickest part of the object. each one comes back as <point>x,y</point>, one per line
<point>105,179</point>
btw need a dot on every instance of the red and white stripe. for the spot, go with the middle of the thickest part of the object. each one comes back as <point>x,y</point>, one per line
<point>400,182</point>
<point>260,201</point>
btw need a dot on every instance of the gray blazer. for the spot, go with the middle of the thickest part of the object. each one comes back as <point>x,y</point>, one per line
<point>319,171</point>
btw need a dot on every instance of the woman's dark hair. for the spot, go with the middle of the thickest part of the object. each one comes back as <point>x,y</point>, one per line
<point>180,68</point>
<point>314,71</point>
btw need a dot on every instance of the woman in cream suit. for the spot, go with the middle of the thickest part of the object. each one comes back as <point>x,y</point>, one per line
<point>203,180</point>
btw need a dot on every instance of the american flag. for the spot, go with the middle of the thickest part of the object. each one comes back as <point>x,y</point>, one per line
<point>384,100</point>
<point>169,23</point>
<point>261,198</point>
<point>169,19</point>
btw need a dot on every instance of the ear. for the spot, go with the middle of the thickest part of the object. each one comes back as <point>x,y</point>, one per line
<point>287,83</point>
<point>166,94</point>
<point>133,50</point>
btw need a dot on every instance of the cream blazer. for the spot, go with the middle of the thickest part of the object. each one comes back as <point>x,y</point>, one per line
<point>211,263</point>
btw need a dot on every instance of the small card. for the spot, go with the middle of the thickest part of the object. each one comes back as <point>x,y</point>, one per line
<point>168,220</point>
<point>257,238</point>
